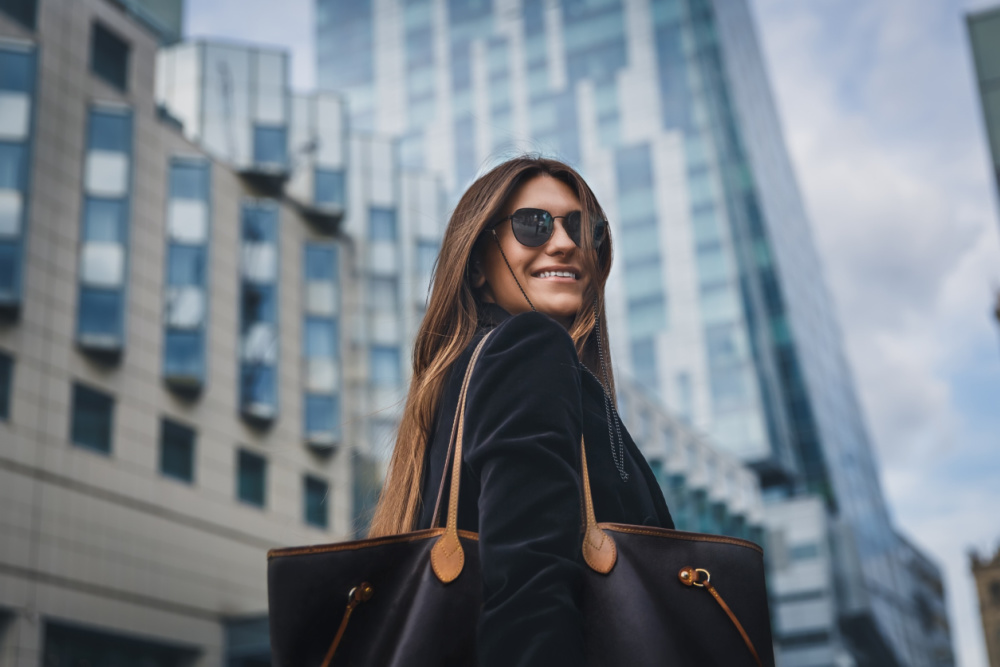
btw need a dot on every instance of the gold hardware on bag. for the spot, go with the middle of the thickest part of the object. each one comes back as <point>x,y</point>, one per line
<point>690,576</point>
<point>360,593</point>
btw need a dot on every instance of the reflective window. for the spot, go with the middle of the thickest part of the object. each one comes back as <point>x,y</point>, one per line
<point>109,55</point>
<point>109,131</point>
<point>188,180</point>
<point>104,220</point>
<point>270,145</point>
<point>183,355</point>
<point>322,413</point>
<point>259,304</point>
<point>382,224</point>
<point>644,361</point>
<point>316,501</point>
<point>10,268</point>
<point>427,253</point>
<point>803,551</point>
<point>12,166</point>
<point>320,338</point>
<point>384,294</point>
<point>93,413</point>
<point>634,168</point>
<point>385,366</point>
<point>329,187</point>
<point>260,223</point>
<point>6,382</point>
<point>251,478</point>
<point>176,450</point>
<point>258,385</point>
<point>100,312</point>
<point>186,265</point>
<point>321,263</point>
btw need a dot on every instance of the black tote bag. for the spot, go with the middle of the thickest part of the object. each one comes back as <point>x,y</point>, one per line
<point>652,596</point>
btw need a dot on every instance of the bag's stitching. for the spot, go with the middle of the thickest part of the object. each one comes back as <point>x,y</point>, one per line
<point>364,544</point>
<point>680,535</point>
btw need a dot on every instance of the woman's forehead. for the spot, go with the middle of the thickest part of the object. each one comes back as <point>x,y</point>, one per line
<point>544,191</point>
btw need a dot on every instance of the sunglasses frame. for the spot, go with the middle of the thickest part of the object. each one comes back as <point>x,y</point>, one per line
<point>552,229</point>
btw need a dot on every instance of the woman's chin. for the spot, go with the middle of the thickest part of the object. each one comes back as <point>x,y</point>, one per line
<point>561,310</point>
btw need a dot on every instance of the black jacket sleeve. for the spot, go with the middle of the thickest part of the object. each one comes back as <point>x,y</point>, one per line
<point>522,438</point>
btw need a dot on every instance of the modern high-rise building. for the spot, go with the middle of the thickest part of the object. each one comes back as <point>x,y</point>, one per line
<point>719,305</point>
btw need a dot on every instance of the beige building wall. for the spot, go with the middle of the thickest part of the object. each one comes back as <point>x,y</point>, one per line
<point>986,571</point>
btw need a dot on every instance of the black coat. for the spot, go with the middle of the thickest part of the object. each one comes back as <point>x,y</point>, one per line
<point>521,488</point>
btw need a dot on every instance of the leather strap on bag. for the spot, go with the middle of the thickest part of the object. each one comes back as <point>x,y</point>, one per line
<point>447,556</point>
<point>690,576</point>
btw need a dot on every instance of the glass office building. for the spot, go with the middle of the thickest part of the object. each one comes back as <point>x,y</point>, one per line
<point>722,310</point>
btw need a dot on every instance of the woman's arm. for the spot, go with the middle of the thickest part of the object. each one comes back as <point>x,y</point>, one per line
<point>523,429</point>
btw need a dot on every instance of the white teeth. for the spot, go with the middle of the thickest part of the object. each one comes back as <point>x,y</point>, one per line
<point>557,274</point>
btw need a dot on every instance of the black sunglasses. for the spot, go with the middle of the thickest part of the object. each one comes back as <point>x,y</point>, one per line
<point>532,227</point>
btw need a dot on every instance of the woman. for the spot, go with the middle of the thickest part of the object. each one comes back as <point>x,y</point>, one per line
<point>527,253</point>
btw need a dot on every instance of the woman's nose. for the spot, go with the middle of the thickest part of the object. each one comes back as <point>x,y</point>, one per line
<point>560,240</point>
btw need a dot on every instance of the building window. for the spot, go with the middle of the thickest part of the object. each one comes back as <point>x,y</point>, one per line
<point>109,56</point>
<point>385,364</point>
<point>17,83</point>
<point>803,551</point>
<point>6,381</point>
<point>186,298</point>
<point>93,417</point>
<point>270,145</point>
<point>329,187</point>
<point>104,230</point>
<point>259,317</point>
<point>427,254</point>
<point>644,361</point>
<point>317,493</point>
<point>24,12</point>
<point>382,224</point>
<point>251,480</point>
<point>321,346</point>
<point>177,451</point>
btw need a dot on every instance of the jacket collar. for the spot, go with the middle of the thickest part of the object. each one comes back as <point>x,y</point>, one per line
<point>491,315</point>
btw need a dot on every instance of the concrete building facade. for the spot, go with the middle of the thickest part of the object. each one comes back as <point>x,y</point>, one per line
<point>198,351</point>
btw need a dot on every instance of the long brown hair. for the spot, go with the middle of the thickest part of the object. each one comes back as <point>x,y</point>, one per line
<point>452,316</point>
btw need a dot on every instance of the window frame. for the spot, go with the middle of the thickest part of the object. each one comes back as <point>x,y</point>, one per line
<point>100,31</point>
<point>166,425</point>
<point>246,456</point>
<point>80,390</point>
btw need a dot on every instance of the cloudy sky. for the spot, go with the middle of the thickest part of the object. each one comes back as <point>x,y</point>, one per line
<point>883,123</point>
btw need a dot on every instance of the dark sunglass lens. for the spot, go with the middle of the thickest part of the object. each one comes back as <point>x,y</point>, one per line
<point>600,232</point>
<point>531,226</point>
<point>572,222</point>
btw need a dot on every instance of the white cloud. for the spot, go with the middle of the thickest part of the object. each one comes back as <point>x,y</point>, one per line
<point>879,107</point>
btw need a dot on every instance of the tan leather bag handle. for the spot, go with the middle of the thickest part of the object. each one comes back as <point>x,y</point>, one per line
<point>447,555</point>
